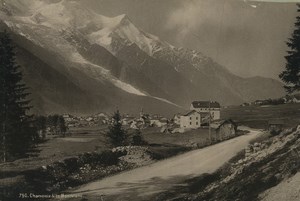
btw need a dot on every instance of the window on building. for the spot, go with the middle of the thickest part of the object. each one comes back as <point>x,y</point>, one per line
<point>190,123</point>
<point>197,123</point>
<point>196,118</point>
<point>190,118</point>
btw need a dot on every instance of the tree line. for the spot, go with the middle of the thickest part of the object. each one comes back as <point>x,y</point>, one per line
<point>53,124</point>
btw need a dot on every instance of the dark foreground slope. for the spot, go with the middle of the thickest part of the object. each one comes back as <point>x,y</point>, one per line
<point>263,165</point>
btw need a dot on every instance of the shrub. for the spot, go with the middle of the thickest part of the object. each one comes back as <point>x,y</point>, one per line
<point>105,158</point>
<point>275,132</point>
<point>137,139</point>
<point>162,152</point>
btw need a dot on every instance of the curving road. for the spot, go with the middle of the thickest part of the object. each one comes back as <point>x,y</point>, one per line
<point>144,182</point>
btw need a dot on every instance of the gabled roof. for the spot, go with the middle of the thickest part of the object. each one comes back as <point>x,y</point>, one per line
<point>177,115</point>
<point>206,104</point>
<point>190,112</point>
<point>227,121</point>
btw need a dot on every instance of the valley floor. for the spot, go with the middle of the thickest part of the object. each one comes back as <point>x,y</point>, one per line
<point>79,141</point>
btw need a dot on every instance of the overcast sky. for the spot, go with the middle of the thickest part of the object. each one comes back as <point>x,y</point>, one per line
<point>247,37</point>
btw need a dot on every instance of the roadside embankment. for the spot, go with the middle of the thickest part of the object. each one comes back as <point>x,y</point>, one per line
<point>260,166</point>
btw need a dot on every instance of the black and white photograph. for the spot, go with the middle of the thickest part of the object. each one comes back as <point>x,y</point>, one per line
<point>150,100</point>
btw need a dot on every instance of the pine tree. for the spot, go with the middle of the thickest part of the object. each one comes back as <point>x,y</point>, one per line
<point>52,122</point>
<point>116,134</point>
<point>17,136</point>
<point>62,125</point>
<point>40,123</point>
<point>137,138</point>
<point>291,75</point>
<point>57,124</point>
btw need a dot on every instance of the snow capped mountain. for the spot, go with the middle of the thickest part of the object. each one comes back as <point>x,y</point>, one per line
<point>125,32</point>
<point>112,58</point>
<point>46,19</point>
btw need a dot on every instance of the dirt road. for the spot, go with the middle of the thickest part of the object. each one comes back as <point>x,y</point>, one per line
<point>144,182</point>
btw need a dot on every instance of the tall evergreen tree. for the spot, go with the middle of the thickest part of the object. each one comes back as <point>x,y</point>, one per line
<point>57,124</point>
<point>17,134</point>
<point>291,74</point>
<point>116,134</point>
<point>52,122</point>
<point>62,125</point>
<point>137,138</point>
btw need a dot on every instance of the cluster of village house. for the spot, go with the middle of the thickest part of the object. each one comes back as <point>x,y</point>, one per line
<point>76,121</point>
<point>201,114</point>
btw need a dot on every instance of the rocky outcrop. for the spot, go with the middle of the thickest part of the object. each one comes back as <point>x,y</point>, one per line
<point>136,155</point>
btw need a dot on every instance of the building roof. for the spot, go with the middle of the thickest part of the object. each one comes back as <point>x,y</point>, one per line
<point>177,115</point>
<point>227,121</point>
<point>206,104</point>
<point>190,112</point>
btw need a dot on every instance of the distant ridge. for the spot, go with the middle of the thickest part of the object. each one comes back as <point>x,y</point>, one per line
<point>105,63</point>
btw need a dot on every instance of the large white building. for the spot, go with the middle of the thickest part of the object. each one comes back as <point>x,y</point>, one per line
<point>211,107</point>
<point>192,119</point>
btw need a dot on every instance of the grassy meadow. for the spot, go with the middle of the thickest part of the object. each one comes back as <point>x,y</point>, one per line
<point>258,116</point>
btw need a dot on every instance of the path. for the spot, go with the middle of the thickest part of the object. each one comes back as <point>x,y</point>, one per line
<point>140,183</point>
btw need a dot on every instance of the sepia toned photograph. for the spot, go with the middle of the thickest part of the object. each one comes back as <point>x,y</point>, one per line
<point>150,100</point>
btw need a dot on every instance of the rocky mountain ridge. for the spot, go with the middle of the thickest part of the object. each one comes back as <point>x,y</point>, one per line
<point>116,63</point>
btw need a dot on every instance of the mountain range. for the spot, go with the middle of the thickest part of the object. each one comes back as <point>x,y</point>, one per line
<point>77,61</point>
